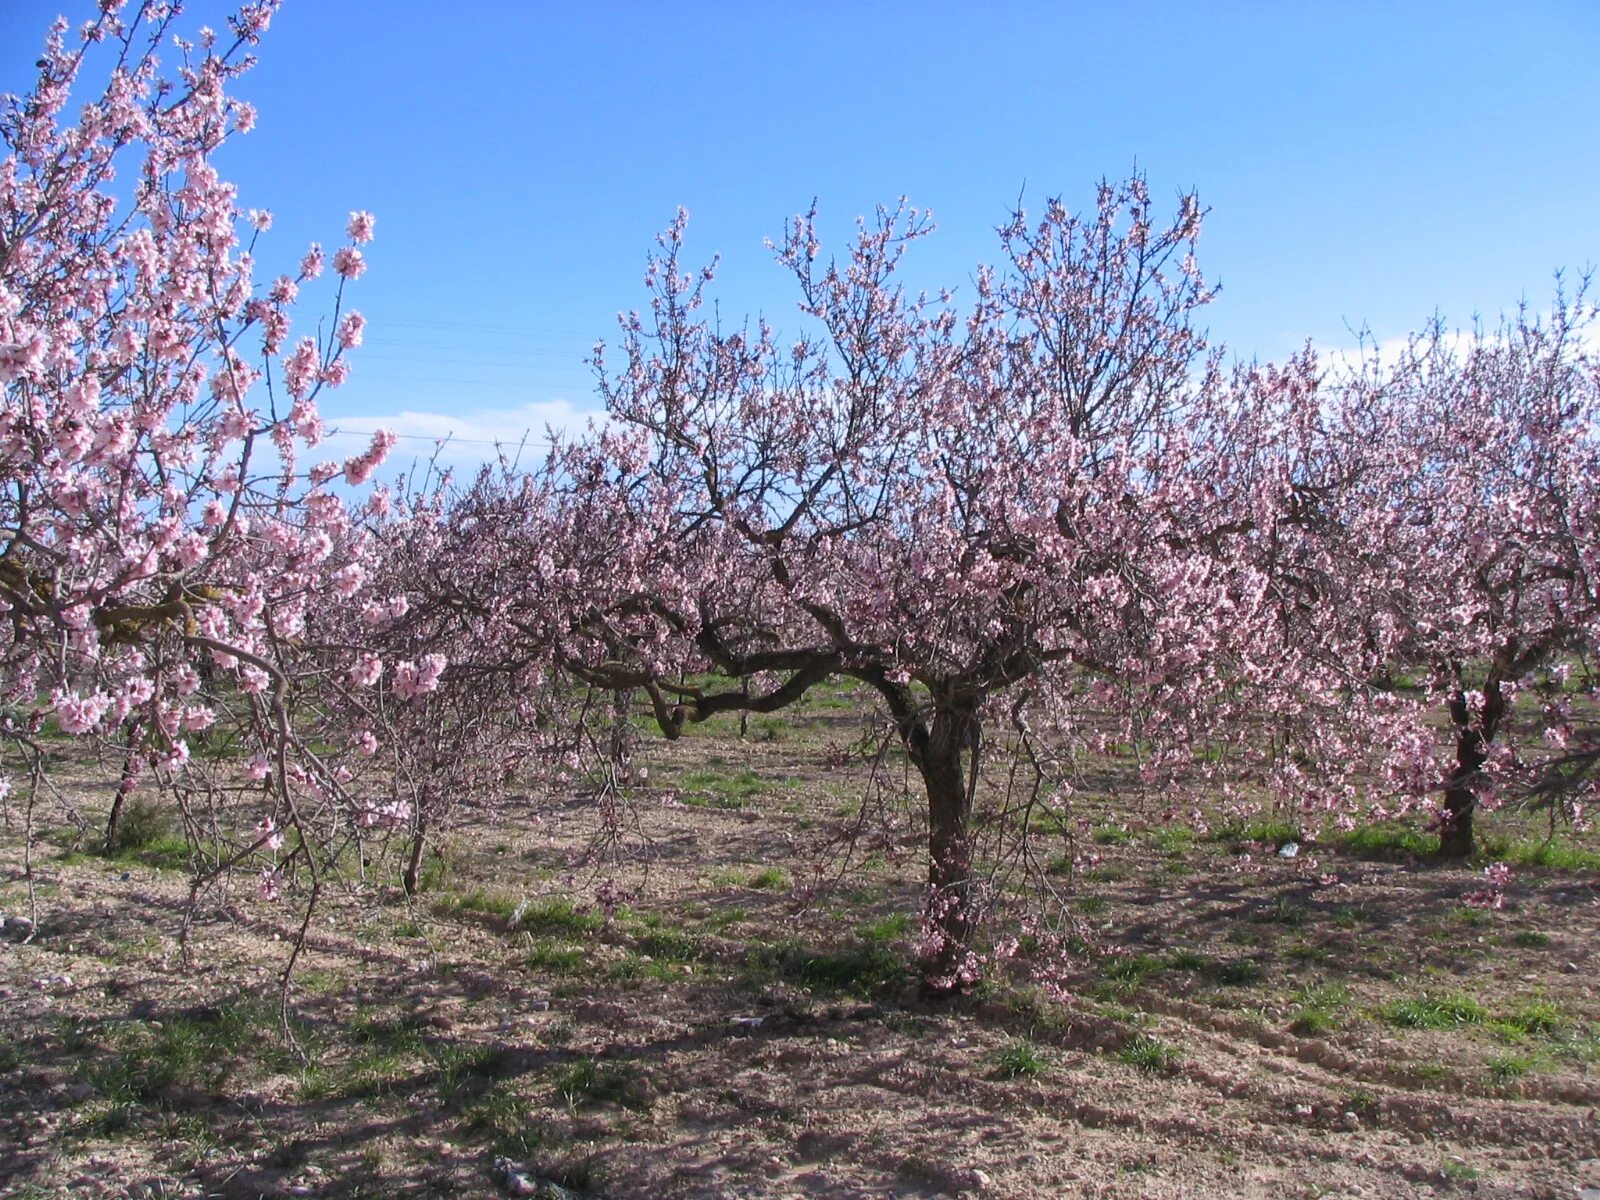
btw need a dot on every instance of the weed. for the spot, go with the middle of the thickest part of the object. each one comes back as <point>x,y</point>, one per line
<point>1019,1060</point>
<point>1387,841</point>
<point>1434,1012</point>
<point>1145,1053</point>
<point>722,918</point>
<point>1237,833</point>
<point>863,970</point>
<point>1284,910</point>
<point>1506,1069</point>
<point>888,929</point>
<point>1112,835</point>
<point>672,945</point>
<point>1173,840</point>
<point>464,1071</point>
<point>1530,939</point>
<point>504,1117</point>
<point>588,1081</point>
<point>1187,960</point>
<point>713,789</point>
<point>1130,968</point>
<point>1536,1018</point>
<point>555,916</point>
<point>1321,1007</point>
<point>549,954</point>
<point>1552,853</point>
<point>770,879</point>
<point>1456,1171</point>
<point>1238,972</point>
<point>1106,873</point>
<point>1091,906</point>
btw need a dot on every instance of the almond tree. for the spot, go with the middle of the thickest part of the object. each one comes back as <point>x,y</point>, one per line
<point>1489,464</point>
<point>1052,501</point>
<point>161,544</point>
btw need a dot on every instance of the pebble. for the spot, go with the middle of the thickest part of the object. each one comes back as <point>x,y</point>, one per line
<point>981,1179</point>
<point>1569,968</point>
<point>538,1006</point>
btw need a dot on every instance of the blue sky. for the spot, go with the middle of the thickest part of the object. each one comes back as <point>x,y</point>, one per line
<point>1366,164</point>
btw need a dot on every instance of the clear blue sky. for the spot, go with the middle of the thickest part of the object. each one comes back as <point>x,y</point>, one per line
<point>1365,163</point>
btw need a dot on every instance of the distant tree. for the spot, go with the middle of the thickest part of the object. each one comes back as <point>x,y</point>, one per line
<point>1488,458</point>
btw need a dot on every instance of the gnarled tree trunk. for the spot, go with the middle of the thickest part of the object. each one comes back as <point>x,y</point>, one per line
<point>1472,751</point>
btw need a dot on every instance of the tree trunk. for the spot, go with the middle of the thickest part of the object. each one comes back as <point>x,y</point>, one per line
<point>950,912</point>
<point>409,880</point>
<point>1472,751</point>
<point>125,786</point>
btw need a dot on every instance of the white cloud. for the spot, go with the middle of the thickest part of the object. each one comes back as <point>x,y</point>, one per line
<point>461,441</point>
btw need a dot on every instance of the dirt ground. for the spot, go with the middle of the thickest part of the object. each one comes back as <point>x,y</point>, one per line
<point>1239,1023</point>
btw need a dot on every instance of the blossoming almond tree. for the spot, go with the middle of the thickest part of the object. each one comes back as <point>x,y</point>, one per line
<point>1053,502</point>
<point>161,543</point>
<point>1489,463</point>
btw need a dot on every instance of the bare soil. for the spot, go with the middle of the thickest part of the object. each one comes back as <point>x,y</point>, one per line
<point>1238,1024</point>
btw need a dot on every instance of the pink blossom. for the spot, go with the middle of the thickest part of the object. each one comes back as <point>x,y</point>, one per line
<point>367,671</point>
<point>269,886</point>
<point>360,226</point>
<point>197,717</point>
<point>349,263</point>
<point>351,327</point>
<point>272,836</point>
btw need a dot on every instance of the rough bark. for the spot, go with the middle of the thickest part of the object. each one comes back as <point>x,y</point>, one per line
<point>1473,738</point>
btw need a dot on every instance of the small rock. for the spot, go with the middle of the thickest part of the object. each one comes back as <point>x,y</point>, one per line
<point>125,877</point>
<point>1569,968</point>
<point>1304,1110</point>
<point>15,929</point>
<point>981,1180</point>
<point>1589,1194</point>
<point>538,1006</point>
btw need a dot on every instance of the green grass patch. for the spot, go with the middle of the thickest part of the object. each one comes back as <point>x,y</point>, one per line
<point>1550,854</point>
<point>588,1081</point>
<point>1147,1054</point>
<point>1507,1069</point>
<point>769,879</point>
<point>1433,1012</point>
<point>888,930</point>
<point>1536,1018</point>
<point>862,970</point>
<point>1237,833</point>
<point>1173,841</point>
<point>556,916</point>
<point>1387,841</point>
<point>717,789</point>
<point>1020,1060</point>
<point>552,954</point>
<point>1322,1008</point>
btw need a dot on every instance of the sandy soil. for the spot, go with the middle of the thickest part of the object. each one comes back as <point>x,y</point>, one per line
<point>1237,1027</point>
